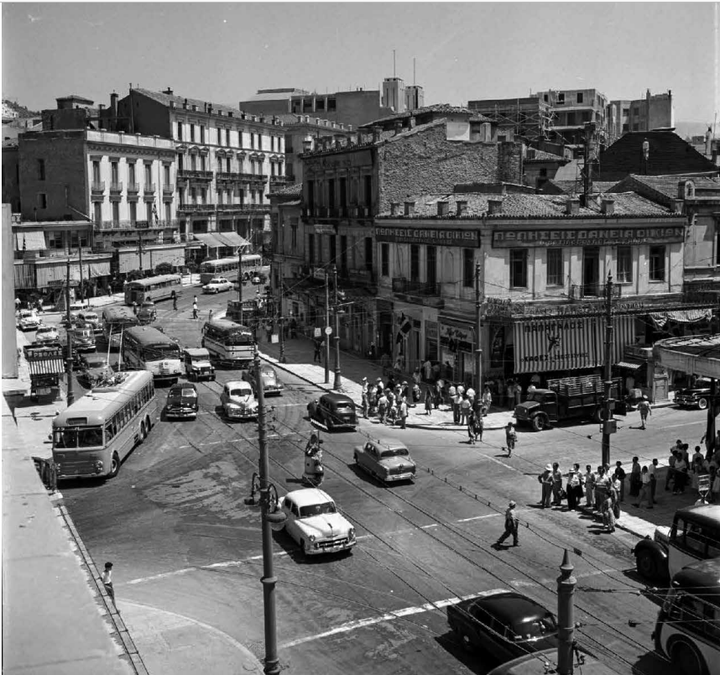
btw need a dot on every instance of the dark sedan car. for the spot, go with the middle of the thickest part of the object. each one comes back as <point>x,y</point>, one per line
<point>182,401</point>
<point>271,382</point>
<point>697,396</point>
<point>504,624</point>
<point>93,370</point>
<point>335,411</point>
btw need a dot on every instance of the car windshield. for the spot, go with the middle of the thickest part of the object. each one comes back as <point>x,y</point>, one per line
<point>394,452</point>
<point>90,317</point>
<point>240,392</point>
<point>217,281</point>
<point>188,392</point>
<point>45,329</point>
<point>95,361</point>
<point>317,509</point>
<point>535,627</point>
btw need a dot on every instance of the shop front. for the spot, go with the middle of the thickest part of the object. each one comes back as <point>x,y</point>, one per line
<point>457,349</point>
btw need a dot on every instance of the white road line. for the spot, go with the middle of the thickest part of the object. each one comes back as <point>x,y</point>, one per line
<point>487,515</point>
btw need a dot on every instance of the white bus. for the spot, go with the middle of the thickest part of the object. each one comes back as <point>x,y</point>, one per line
<point>228,343</point>
<point>94,435</point>
<point>147,348</point>
<point>228,268</point>
<point>116,320</point>
<point>157,288</point>
<point>688,626</point>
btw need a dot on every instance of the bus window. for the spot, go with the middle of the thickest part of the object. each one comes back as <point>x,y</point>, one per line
<point>90,437</point>
<point>66,438</point>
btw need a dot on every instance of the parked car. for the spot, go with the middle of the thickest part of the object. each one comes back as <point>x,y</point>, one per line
<point>271,383</point>
<point>182,401</point>
<point>386,459</point>
<point>27,320</point>
<point>46,335</point>
<point>147,313</point>
<point>335,411</point>
<point>697,395</point>
<point>93,370</point>
<point>313,521</point>
<point>87,318</point>
<point>217,285</point>
<point>83,338</point>
<point>238,401</point>
<point>197,364</point>
<point>504,624</point>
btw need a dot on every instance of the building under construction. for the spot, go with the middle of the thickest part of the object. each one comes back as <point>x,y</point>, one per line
<point>528,118</point>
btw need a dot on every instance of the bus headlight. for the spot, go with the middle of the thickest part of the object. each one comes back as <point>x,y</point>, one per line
<point>98,466</point>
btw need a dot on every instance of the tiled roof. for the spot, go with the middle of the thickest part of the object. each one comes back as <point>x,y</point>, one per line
<point>77,97</point>
<point>524,206</point>
<point>391,136</point>
<point>668,185</point>
<point>573,187</point>
<point>165,99</point>
<point>438,108</point>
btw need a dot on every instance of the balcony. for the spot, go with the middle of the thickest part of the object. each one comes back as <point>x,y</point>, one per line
<point>278,180</point>
<point>196,208</point>
<point>116,188</point>
<point>129,225</point>
<point>98,186</point>
<point>133,188</point>
<point>403,285</point>
<point>185,174</point>
<point>168,189</point>
<point>149,188</point>
<point>229,176</point>
<point>593,291</point>
<point>254,208</point>
<point>225,208</point>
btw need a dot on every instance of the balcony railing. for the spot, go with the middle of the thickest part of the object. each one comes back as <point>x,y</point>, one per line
<point>133,188</point>
<point>227,175</point>
<point>590,291</point>
<point>280,180</point>
<point>196,208</point>
<point>402,285</point>
<point>135,224</point>
<point>149,188</point>
<point>168,188</point>
<point>194,173</point>
<point>116,187</point>
<point>98,186</point>
<point>230,207</point>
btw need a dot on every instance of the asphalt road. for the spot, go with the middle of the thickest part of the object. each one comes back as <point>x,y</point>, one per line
<point>175,525</point>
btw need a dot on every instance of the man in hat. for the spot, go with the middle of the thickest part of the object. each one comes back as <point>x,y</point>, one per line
<point>546,483</point>
<point>510,438</point>
<point>107,581</point>
<point>364,395</point>
<point>511,525</point>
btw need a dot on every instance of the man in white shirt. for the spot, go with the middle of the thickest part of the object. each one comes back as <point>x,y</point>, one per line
<point>107,580</point>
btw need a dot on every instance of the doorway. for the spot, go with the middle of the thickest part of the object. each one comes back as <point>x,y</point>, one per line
<point>591,271</point>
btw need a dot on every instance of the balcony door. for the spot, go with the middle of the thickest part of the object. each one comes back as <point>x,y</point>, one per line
<point>591,271</point>
<point>431,268</point>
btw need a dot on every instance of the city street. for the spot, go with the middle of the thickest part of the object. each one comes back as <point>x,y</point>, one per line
<point>182,540</point>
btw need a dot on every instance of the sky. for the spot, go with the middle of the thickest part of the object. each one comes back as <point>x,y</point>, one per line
<point>225,52</point>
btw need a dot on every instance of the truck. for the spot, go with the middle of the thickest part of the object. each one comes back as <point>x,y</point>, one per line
<point>580,397</point>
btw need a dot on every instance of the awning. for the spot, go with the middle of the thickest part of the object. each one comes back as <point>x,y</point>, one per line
<point>681,316</point>
<point>209,240</point>
<point>231,239</point>
<point>628,365</point>
<point>32,240</point>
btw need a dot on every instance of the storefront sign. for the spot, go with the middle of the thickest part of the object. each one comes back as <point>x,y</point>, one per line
<point>436,236</point>
<point>324,229</point>
<point>319,273</point>
<point>508,309</point>
<point>590,237</point>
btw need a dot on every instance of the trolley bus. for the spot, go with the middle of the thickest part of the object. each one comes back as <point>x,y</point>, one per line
<point>228,343</point>
<point>156,288</point>
<point>98,431</point>
<point>115,321</point>
<point>688,625</point>
<point>228,268</point>
<point>147,348</point>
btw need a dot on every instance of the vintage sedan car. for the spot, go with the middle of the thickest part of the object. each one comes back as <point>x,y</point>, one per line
<point>83,338</point>
<point>271,383</point>
<point>147,312</point>
<point>335,411</point>
<point>46,335</point>
<point>386,459</point>
<point>313,521</point>
<point>696,396</point>
<point>197,364</point>
<point>93,370</point>
<point>504,624</point>
<point>238,401</point>
<point>217,285</point>
<point>87,318</point>
<point>182,401</point>
<point>27,320</point>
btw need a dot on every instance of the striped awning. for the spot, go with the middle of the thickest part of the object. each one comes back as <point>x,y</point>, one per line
<point>231,239</point>
<point>32,240</point>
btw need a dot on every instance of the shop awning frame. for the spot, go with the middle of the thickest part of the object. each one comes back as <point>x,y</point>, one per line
<point>231,239</point>
<point>209,239</point>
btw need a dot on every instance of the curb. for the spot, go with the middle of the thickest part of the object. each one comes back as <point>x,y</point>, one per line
<point>619,524</point>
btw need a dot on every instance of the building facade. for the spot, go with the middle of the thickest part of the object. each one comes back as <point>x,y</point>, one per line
<point>529,118</point>
<point>573,108</point>
<point>655,111</point>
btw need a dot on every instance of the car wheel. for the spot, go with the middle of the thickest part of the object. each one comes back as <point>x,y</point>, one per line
<point>114,465</point>
<point>539,422</point>
<point>686,659</point>
<point>703,403</point>
<point>646,565</point>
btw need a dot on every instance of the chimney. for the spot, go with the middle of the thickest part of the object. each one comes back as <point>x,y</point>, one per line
<point>185,104</point>
<point>494,207</point>
<point>409,208</point>
<point>572,207</point>
<point>376,131</point>
<point>442,208</point>
<point>461,208</point>
<point>677,205</point>
<point>394,208</point>
<point>209,108</point>
<point>607,206</point>
<point>168,91</point>
<point>114,105</point>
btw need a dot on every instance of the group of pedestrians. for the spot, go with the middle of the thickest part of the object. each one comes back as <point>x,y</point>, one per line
<point>389,401</point>
<point>697,471</point>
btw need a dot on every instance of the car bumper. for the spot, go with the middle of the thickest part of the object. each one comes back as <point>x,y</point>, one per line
<point>202,376</point>
<point>239,415</point>
<point>331,546</point>
<point>391,478</point>
<point>181,413</point>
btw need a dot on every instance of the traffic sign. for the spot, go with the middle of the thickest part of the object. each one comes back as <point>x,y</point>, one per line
<point>328,330</point>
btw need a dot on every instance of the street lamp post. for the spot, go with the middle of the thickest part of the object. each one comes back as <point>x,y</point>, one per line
<point>69,362</point>
<point>337,385</point>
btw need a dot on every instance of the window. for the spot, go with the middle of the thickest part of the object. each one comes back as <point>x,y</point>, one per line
<point>227,137</point>
<point>331,105</point>
<point>580,97</point>
<point>657,263</point>
<point>192,132</point>
<point>518,268</point>
<point>168,213</point>
<point>179,130</point>
<point>293,232</point>
<point>166,174</point>
<point>561,98</point>
<point>116,214</point>
<point>554,267</point>
<point>114,173</point>
<point>148,174</point>
<point>369,253</point>
<point>41,169</point>
<point>545,98</point>
<point>624,264</point>
<point>431,266</point>
<point>42,200</point>
<point>368,191</point>
<point>133,212</point>
<point>414,262</point>
<point>385,260</point>
<point>252,140</point>
<point>131,173</point>
<point>97,216</point>
<point>228,164</point>
<point>202,133</point>
<point>96,171</point>
<point>148,212</point>
<point>311,249</point>
<point>468,267</point>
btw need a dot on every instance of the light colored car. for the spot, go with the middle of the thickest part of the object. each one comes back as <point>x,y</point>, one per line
<point>28,320</point>
<point>217,285</point>
<point>46,335</point>
<point>386,459</point>
<point>89,319</point>
<point>271,382</point>
<point>83,338</point>
<point>313,521</point>
<point>238,401</point>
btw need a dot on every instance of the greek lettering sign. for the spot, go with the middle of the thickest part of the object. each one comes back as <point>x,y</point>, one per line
<point>435,236</point>
<point>604,236</point>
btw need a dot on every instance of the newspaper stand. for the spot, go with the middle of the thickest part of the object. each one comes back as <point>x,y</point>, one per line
<point>46,364</point>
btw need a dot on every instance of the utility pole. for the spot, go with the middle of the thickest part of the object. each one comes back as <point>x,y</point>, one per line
<point>478,334</point>
<point>608,423</point>
<point>327,327</point>
<point>337,385</point>
<point>566,616</point>
<point>82,292</point>
<point>140,252</point>
<point>69,361</point>
<point>240,286</point>
<point>589,128</point>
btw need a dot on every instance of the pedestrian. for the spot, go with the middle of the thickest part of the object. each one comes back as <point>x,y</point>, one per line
<point>385,363</point>
<point>428,401</point>
<point>644,489</point>
<point>417,376</point>
<point>511,525</point>
<point>456,401</point>
<point>670,475</point>
<point>403,412</point>
<point>620,476</point>
<point>645,410</point>
<point>316,353</point>
<point>557,487</point>
<point>107,581</point>
<point>510,393</point>
<point>134,308</point>
<point>574,487</point>
<point>601,486</point>
<point>517,390</point>
<point>652,469</point>
<point>681,475</point>
<point>365,398</point>
<point>465,408</point>
<point>427,370</point>
<point>608,514</point>
<point>372,351</point>
<point>293,328</point>
<point>471,427</point>
<point>635,480</point>
<point>589,481</point>
<point>174,299</point>
<point>18,304</point>
<point>478,426</point>
<point>486,400</point>
<point>510,438</point>
<point>210,315</point>
<point>546,482</point>
<point>195,308</point>
<point>382,406</point>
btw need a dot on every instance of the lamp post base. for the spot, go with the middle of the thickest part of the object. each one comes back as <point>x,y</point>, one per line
<point>337,384</point>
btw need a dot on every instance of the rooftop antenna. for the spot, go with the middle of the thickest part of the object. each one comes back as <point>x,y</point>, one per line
<point>393,63</point>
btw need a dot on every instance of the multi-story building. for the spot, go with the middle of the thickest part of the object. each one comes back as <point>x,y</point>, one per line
<point>226,162</point>
<point>529,118</point>
<point>347,183</point>
<point>655,111</point>
<point>538,265</point>
<point>573,108</point>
